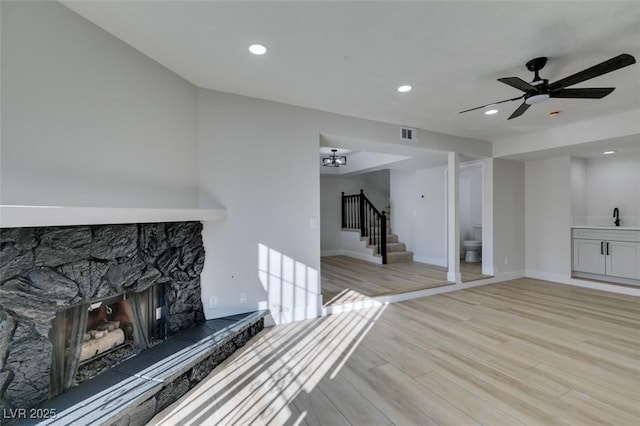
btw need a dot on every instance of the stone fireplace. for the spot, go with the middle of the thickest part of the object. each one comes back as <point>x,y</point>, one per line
<point>77,300</point>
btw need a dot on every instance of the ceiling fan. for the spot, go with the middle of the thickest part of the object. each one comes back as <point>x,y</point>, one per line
<point>539,90</point>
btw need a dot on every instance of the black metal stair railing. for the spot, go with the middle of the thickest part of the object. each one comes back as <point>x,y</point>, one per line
<point>359,213</point>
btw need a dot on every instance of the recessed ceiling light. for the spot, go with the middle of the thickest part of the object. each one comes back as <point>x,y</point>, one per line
<point>491,111</point>
<point>257,49</point>
<point>404,89</point>
<point>609,152</point>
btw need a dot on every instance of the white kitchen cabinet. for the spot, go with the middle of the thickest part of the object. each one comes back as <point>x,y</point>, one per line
<point>587,256</point>
<point>610,253</point>
<point>623,259</point>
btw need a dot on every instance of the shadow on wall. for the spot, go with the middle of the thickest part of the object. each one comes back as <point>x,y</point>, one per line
<point>293,289</point>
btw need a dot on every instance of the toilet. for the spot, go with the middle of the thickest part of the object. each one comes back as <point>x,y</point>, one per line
<point>473,247</point>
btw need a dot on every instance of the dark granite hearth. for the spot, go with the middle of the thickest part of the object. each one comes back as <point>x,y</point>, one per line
<point>139,388</point>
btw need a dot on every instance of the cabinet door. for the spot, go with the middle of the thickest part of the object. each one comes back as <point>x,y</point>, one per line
<point>587,256</point>
<point>623,259</point>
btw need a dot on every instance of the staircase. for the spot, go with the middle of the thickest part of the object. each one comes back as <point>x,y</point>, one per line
<point>358,214</point>
<point>396,251</point>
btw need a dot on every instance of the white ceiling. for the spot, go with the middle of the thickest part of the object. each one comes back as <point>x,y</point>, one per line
<point>349,57</point>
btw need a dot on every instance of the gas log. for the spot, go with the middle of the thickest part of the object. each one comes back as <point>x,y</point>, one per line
<point>98,345</point>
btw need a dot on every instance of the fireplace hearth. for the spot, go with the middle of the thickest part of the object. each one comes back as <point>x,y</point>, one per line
<point>77,300</point>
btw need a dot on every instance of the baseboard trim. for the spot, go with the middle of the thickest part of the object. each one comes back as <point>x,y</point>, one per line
<point>546,276</point>
<point>510,275</point>
<point>567,280</point>
<point>607,279</point>
<point>362,256</point>
<point>356,255</point>
<point>454,277</point>
<point>489,270</point>
<point>430,260</point>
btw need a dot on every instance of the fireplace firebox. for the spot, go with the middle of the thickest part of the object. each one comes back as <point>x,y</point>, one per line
<point>93,337</point>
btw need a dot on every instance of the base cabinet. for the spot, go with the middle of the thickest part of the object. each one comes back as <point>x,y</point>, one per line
<point>623,259</point>
<point>588,256</point>
<point>602,253</point>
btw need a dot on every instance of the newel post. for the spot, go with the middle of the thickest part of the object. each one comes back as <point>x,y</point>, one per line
<point>383,238</point>
<point>344,221</point>
<point>361,217</point>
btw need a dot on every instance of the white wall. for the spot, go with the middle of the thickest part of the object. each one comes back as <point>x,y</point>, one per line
<point>579,191</point>
<point>508,216</point>
<point>548,218</point>
<point>418,213</point>
<point>87,120</point>
<point>352,245</point>
<point>267,249</point>
<point>330,214</point>
<point>266,254</point>
<point>614,181</point>
<point>376,188</point>
<point>620,125</point>
<point>470,201</point>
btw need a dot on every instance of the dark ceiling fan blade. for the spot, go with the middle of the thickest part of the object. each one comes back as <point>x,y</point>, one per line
<point>587,93</point>
<point>612,64</point>
<point>521,110</point>
<point>492,103</point>
<point>518,83</point>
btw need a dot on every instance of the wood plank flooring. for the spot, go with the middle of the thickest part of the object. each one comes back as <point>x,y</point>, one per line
<point>345,279</point>
<point>471,271</point>
<point>519,352</point>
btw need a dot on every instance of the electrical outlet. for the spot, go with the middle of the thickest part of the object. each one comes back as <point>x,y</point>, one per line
<point>213,302</point>
<point>243,298</point>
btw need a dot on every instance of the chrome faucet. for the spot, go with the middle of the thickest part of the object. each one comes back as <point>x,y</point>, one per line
<point>616,214</point>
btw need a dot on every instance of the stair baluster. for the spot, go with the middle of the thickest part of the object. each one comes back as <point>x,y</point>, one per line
<point>359,213</point>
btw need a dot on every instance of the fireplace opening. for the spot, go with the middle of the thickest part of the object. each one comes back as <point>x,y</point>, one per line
<point>91,338</point>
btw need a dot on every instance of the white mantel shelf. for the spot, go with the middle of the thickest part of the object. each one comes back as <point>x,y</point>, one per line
<point>29,216</point>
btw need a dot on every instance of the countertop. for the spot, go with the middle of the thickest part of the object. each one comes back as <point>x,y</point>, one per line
<point>607,228</point>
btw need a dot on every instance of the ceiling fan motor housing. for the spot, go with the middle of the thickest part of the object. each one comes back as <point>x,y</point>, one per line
<point>537,64</point>
<point>541,94</point>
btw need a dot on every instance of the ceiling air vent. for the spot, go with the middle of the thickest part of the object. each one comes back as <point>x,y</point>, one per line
<point>408,134</point>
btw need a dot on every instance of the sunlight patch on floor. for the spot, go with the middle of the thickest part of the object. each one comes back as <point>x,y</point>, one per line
<point>258,384</point>
<point>347,296</point>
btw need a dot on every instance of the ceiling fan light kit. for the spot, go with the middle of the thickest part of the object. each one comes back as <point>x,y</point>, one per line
<point>536,99</point>
<point>539,90</point>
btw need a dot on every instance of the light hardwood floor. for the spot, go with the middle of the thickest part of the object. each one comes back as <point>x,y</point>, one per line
<point>519,352</point>
<point>345,279</point>
<point>471,271</point>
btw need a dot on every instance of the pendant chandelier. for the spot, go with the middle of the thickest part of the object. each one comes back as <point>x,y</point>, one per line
<point>333,160</point>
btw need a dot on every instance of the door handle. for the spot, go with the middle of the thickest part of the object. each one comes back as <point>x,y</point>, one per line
<point>607,248</point>
<point>601,247</point>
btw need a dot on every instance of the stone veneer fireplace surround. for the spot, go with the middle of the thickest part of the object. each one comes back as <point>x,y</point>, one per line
<point>45,270</point>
